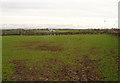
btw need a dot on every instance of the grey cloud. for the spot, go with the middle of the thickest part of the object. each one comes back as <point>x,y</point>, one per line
<point>73,10</point>
<point>52,4</point>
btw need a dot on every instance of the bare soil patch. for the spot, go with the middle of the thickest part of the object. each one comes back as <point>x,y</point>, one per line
<point>46,48</point>
<point>87,72</point>
<point>24,73</point>
<point>112,51</point>
<point>90,70</point>
<point>46,72</point>
<point>41,46</point>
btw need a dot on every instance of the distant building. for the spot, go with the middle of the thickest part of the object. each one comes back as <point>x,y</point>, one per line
<point>51,30</point>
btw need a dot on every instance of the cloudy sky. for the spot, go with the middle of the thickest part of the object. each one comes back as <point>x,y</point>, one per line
<point>77,13</point>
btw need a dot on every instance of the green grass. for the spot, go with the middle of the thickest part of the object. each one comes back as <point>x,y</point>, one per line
<point>74,47</point>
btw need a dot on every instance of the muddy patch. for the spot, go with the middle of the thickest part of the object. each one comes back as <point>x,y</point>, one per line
<point>90,70</point>
<point>87,72</point>
<point>117,60</point>
<point>23,73</point>
<point>41,46</point>
<point>112,51</point>
<point>46,48</point>
<point>56,69</point>
<point>69,73</point>
<point>49,70</point>
<point>93,50</point>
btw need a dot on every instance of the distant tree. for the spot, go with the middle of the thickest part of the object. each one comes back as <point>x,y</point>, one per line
<point>20,31</point>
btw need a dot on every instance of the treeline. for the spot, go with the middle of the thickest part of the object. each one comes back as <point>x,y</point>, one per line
<point>59,32</point>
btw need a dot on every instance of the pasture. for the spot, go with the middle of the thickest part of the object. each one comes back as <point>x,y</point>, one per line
<point>89,57</point>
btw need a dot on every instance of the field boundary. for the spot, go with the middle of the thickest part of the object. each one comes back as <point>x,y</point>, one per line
<point>58,32</point>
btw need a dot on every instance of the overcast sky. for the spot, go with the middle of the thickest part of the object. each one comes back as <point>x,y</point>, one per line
<point>78,13</point>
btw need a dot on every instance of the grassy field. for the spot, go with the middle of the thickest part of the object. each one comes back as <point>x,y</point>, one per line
<point>58,58</point>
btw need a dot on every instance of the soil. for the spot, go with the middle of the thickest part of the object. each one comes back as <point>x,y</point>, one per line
<point>23,73</point>
<point>41,46</point>
<point>46,48</point>
<point>88,71</point>
<point>112,51</point>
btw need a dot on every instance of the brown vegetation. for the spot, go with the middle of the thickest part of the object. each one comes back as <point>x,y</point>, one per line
<point>41,46</point>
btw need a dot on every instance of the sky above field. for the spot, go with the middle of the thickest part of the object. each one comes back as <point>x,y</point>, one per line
<point>54,13</point>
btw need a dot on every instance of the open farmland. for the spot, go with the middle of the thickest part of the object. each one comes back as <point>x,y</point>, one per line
<point>89,57</point>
